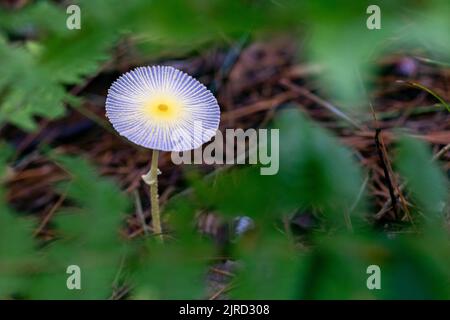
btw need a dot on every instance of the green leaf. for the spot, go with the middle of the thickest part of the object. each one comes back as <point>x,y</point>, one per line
<point>268,272</point>
<point>18,257</point>
<point>424,178</point>
<point>172,271</point>
<point>411,267</point>
<point>88,237</point>
<point>26,89</point>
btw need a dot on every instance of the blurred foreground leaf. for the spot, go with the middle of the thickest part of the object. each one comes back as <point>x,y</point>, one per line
<point>271,269</point>
<point>173,271</point>
<point>315,172</point>
<point>18,257</point>
<point>412,267</point>
<point>88,237</point>
<point>424,178</point>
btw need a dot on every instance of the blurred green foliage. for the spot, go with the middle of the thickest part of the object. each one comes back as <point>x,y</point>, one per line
<point>88,236</point>
<point>427,185</point>
<point>412,267</point>
<point>316,173</point>
<point>17,247</point>
<point>414,261</point>
<point>271,269</point>
<point>173,271</point>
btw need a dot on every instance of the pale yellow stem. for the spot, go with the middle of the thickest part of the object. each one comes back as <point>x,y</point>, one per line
<point>151,178</point>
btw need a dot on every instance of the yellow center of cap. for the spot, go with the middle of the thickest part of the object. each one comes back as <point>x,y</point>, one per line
<point>163,108</point>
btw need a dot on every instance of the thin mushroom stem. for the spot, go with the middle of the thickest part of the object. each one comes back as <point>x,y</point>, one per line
<point>151,178</point>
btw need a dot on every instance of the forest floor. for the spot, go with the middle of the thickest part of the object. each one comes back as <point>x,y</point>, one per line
<point>251,81</point>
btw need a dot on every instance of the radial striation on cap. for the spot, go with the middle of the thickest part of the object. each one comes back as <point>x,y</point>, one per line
<point>162,108</point>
